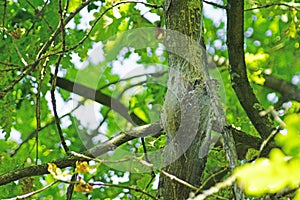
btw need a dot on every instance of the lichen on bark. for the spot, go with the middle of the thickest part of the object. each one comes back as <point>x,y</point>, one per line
<point>186,115</point>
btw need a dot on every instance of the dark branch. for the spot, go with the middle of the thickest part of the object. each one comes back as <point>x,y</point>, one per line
<point>243,142</point>
<point>215,4</point>
<point>99,97</point>
<point>70,161</point>
<point>238,73</point>
<point>273,4</point>
<point>285,88</point>
<point>54,77</point>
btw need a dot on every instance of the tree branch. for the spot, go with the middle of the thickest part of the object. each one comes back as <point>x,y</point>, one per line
<point>274,4</point>
<point>43,49</point>
<point>238,73</point>
<point>26,196</point>
<point>215,4</point>
<point>285,88</point>
<point>173,177</point>
<point>242,139</point>
<point>126,187</point>
<point>109,145</point>
<point>99,97</point>
<point>53,84</point>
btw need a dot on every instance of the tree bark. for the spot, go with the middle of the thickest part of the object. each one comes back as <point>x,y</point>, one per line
<point>238,72</point>
<point>186,112</point>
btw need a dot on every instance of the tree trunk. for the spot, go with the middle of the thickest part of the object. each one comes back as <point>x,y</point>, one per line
<point>186,116</point>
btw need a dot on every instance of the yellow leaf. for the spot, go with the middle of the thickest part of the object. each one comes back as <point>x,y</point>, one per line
<point>56,172</point>
<point>124,8</point>
<point>73,5</point>
<point>82,186</point>
<point>112,2</point>
<point>82,167</point>
<point>255,61</point>
<point>17,33</point>
<point>292,30</point>
<point>265,175</point>
<point>258,78</point>
<point>141,114</point>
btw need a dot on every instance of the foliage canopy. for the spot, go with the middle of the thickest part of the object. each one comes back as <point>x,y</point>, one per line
<point>45,122</point>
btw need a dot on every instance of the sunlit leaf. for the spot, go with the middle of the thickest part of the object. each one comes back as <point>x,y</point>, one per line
<point>290,140</point>
<point>82,186</point>
<point>73,5</point>
<point>268,175</point>
<point>82,167</point>
<point>297,196</point>
<point>56,172</point>
<point>257,77</point>
<point>256,61</point>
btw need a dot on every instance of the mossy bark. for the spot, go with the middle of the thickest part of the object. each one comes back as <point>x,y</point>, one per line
<point>187,112</point>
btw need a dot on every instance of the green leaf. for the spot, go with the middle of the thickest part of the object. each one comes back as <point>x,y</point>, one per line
<point>290,141</point>
<point>269,175</point>
<point>73,5</point>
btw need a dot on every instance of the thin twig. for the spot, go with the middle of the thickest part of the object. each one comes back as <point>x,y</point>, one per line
<point>17,80</point>
<point>125,187</point>
<point>129,87</point>
<point>30,135</point>
<point>43,49</point>
<point>215,4</point>
<point>275,115</point>
<point>148,161</point>
<point>31,5</point>
<point>40,56</point>
<point>57,121</point>
<point>19,53</point>
<point>32,193</point>
<point>273,4</point>
<point>149,183</point>
<point>71,185</point>
<point>210,178</point>
<point>45,20</point>
<point>58,29</point>
<point>62,25</point>
<point>9,64</point>
<point>102,14</point>
<point>38,109</point>
<point>266,141</point>
<point>156,74</point>
<point>39,13</point>
<point>172,177</point>
<point>63,40</point>
<point>53,100</point>
<point>228,182</point>
<point>149,165</point>
<point>66,8</point>
<point>144,3</point>
<point>12,68</point>
<point>85,157</point>
<point>95,131</point>
<point>111,144</point>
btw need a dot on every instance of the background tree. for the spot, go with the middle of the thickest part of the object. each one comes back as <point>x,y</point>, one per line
<point>50,140</point>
